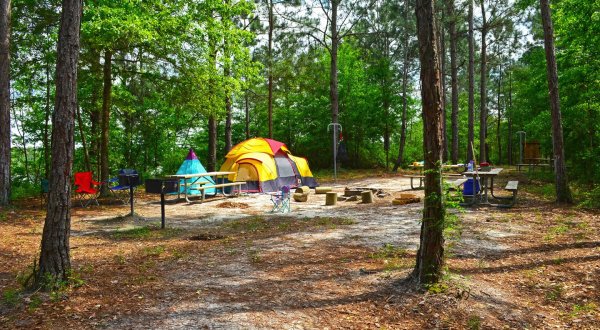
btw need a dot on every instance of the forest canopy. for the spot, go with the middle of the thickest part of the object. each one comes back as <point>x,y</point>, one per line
<point>157,77</point>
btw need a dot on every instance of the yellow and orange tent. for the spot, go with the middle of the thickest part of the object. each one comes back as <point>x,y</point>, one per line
<point>266,165</point>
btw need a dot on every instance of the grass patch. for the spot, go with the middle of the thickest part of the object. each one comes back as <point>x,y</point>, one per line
<point>254,224</point>
<point>145,233</point>
<point>10,297</point>
<point>545,190</point>
<point>393,257</point>
<point>555,292</point>
<point>474,322</point>
<point>154,251</point>
<point>582,309</point>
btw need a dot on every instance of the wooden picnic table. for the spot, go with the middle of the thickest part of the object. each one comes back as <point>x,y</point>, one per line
<point>484,175</point>
<point>196,181</point>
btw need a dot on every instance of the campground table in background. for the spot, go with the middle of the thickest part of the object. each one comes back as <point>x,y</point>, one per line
<point>484,175</point>
<point>196,180</point>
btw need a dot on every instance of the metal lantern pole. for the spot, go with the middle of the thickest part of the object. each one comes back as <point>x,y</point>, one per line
<point>335,130</point>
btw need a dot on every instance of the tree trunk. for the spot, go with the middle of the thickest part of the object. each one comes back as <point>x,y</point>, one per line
<point>509,147</point>
<point>54,256</point>
<point>483,88</point>
<point>5,143</point>
<point>270,68</point>
<point>442,54</point>
<point>454,80</point>
<point>47,121</point>
<point>212,144</point>
<point>86,157</point>
<point>95,113</point>
<point>431,249</point>
<point>471,69</point>
<point>405,64</point>
<point>247,121</point>
<point>106,100</point>
<point>563,193</point>
<point>228,113</point>
<point>499,122</point>
<point>333,76</point>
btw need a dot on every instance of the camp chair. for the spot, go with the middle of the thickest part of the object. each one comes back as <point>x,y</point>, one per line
<point>281,200</point>
<point>119,186</point>
<point>86,193</point>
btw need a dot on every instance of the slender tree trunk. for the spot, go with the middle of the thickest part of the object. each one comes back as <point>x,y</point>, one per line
<point>498,123</point>
<point>86,157</point>
<point>333,76</point>
<point>483,88</point>
<point>509,149</point>
<point>442,54</point>
<point>54,256</point>
<point>95,113</point>
<point>563,193</point>
<point>46,122</point>
<point>386,103</point>
<point>270,68</point>
<point>5,143</point>
<point>454,79</point>
<point>405,64</point>
<point>430,259</point>
<point>471,69</point>
<point>247,121</point>
<point>106,103</point>
<point>212,144</point>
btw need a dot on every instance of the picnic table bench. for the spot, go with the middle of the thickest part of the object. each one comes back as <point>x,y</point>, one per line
<point>221,185</point>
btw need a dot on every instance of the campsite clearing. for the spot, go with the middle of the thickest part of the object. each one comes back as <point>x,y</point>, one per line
<point>231,265</point>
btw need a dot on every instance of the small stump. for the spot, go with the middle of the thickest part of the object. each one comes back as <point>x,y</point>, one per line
<point>367,196</point>
<point>302,190</point>
<point>331,198</point>
<point>300,197</point>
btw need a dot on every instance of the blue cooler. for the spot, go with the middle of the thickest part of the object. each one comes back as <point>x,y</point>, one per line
<point>468,187</point>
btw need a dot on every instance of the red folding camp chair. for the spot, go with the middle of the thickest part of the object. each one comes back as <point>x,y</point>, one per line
<point>86,193</point>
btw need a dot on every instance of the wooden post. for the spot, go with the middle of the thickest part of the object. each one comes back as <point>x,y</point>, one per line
<point>367,197</point>
<point>331,198</point>
<point>322,190</point>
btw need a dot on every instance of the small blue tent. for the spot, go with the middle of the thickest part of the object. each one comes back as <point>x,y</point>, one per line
<point>192,165</point>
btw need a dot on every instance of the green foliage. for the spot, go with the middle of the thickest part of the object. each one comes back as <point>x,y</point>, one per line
<point>10,297</point>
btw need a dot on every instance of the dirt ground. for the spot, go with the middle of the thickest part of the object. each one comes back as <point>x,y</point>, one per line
<point>230,264</point>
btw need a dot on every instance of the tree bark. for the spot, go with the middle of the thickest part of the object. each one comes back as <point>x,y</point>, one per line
<point>563,193</point>
<point>499,121</point>
<point>247,110</point>
<point>430,260</point>
<point>405,64</point>
<point>95,113</point>
<point>453,80</point>
<point>509,147</point>
<point>86,157</point>
<point>471,69</point>
<point>270,68</point>
<point>47,121</point>
<point>333,76</point>
<point>212,144</point>
<point>106,100</point>
<point>442,54</point>
<point>483,88</point>
<point>54,260</point>
<point>5,144</point>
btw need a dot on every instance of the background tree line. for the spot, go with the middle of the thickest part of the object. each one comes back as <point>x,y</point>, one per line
<point>156,77</point>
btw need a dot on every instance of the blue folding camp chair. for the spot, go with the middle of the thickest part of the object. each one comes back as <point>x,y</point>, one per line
<point>119,186</point>
<point>281,200</point>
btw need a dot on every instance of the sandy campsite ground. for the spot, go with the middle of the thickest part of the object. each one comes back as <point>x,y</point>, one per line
<point>229,264</point>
